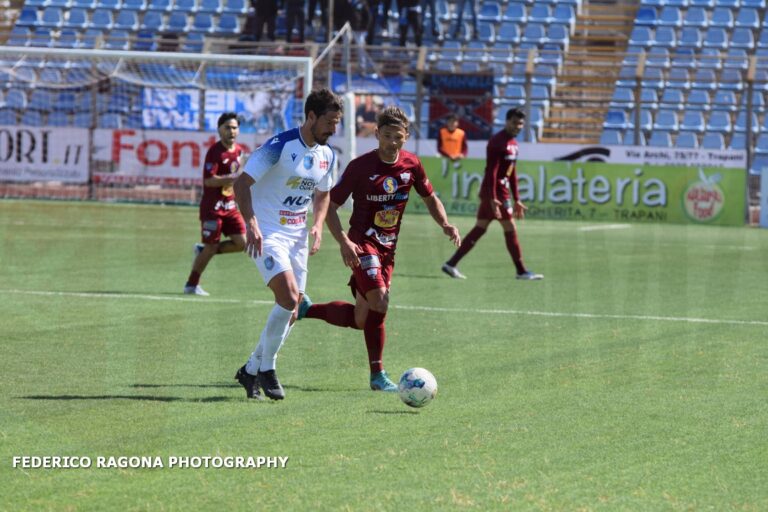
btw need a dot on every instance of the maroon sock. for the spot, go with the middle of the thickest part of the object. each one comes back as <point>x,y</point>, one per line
<point>374,339</point>
<point>336,313</point>
<point>193,279</point>
<point>513,246</point>
<point>467,244</point>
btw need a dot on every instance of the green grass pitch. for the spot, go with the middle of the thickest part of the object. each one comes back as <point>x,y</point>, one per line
<point>634,377</point>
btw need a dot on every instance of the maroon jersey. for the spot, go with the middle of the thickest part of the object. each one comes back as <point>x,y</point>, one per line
<point>500,168</point>
<point>380,192</point>
<point>219,161</point>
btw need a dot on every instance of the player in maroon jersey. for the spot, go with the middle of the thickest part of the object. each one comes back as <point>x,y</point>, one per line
<point>495,200</point>
<point>218,211</point>
<point>380,183</point>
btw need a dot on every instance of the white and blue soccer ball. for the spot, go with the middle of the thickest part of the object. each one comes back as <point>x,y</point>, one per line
<point>417,387</point>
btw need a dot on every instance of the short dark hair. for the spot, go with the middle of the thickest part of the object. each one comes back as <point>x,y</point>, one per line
<point>228,116</point>
<point>322,101</point>
<point>515,112</point>
<point>451,117</point>
<point>392,116</point>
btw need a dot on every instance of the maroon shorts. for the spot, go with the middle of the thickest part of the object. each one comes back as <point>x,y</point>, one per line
<point>485,210</point>
<point>375,270</point>
<point>228,222</point>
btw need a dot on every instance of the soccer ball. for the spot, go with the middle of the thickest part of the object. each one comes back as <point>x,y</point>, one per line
<point>417,387</point>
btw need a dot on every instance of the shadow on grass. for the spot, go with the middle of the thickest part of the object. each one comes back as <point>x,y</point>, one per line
<point>393,412</point>
<point>142,398</point>
<point>419,276</point>
<point>311,389</point>
<point>184,386</point>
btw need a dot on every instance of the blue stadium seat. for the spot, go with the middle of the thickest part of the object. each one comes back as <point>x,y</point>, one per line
<point>211,6</point>
<point>716,37</point>
<point>228,25</point>
<point>710,58</point>
<point>101,19</point>
<point>540,96</point>
<point>83,4</point>
<point>653,3</point>
<point>762,144</point>
<point>544,74</point>
<point>113,121</point>
<point>616,120</point>
<point>490,11</point>
<point>646,119</point>
<point>687,140</point>
<point>90,38</point>
<point>193,43</point>
<point>76,18</point>
<point>41,38</point>
<point>747,18</point>
<point>30,4</point>
<point>126,20</point>
<point>31,118</point>
<point>729,4</point>
<point>623,99</point>
<point>475,52</point>
<point>704,78</point>
<point>565,15</point>
<point>738,141</point>
<point>719,121</point>
<point>742,38</point>
<point>736,58</point>
<point>52,17</point>
<point>185,6</point>
<point>82,120</point>
<point>741,122</point>
<point>235,6</point>
<point>68,38</point>
<point>108,4</point>
<point>558,34</point>
<point>693,120</point>
<point>516,13</point>
<point>649,99</point>
<point>65,101</point>
<point>534,33</point>
<point>646,16</point>
<point>8,117</point>
<point>666,120</point>
<point>611,138</point>
<point>671,17</point>
<point>451,51</point>
<point>758,101</point>
<point>666,37</point>
<point>690,37</point>
<point>653,78</point>
<point>551,54</point>
<point>117,40</point>
<point>698,99</point>
<point>721,17</point>
<point>28,17</point>
<point>486,32</point>
<point>696,17</point>
<point>509,33</point>
<point>145,41</point>
<point>19,36</point>
<point>641,36</point>
<point>16,98</point>
<point>678,78</point>
<point>177,22</point>
<point>756,4</point>
<point>498,55</point>
<point>759,163</point>
<point>539,13</point>
<point>58,119</point>
<point>153,21</point>
<point>135,5</point>
<point>626,77</point>
<point>40,99</point>
<point>724,100</point>
<point>708,4</point>
<point>160,5</point>
<point>629,138</point>
<point>660,139</point>
<point>676,3</point>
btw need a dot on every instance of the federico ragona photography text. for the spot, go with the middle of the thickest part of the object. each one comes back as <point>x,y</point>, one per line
<point>149,462</point>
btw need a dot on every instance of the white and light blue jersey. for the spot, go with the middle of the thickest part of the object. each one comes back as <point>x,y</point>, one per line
<point>286,172</point>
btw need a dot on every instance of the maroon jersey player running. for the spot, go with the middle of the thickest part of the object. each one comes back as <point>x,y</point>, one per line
<point>380,183</point>
<point>495,201</point>
<point>218,211</point>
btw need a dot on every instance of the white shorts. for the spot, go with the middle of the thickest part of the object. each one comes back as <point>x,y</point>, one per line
<point>279,255</point>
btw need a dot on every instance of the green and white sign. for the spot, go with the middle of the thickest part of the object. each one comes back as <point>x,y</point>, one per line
<point>593,191</point>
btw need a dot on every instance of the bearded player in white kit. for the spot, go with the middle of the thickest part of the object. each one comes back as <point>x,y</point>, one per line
<point>273,194</point>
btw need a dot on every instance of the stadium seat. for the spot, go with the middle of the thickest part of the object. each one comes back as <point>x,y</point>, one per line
<point>8,117</point>
<point>101,19</point>
<point>145,41</point>
<point>646,119</point>
<point>742,38</point>
<point>738,141</point>
<point>185,6</point>
<point>696,17</point>
<point>666,120</point>
<point>710,58</point>
<point>31,118</point>
<point>540,13</point>
<point>193,43</point>
<point>58,119</point>
<point>623,99</point>
<point>666,37</point>
<point>40,99</point>
<point>653,78</point>
<point>722,17</point>
<point>30,4</point>
<point>724,100</point>
<point>611,138</point>
<point>126,20</point>
<point>28,17</point>
<point>228,25</point>
<point>516,13</point>
<point>678,78</point>
<point>152,21</point>
<point>564,14</point>
<point>653,3</point>
<point>76,18</point>
<point>762,144</point>
<point>235,6</point>
<point>646,15</point>
<point>616,120</point>
<point>117,40</point>
<point>729,4</point>
<point>704,78</point>
<point>108,4</point>
<point>741,122</point>
<point>112,121</point>
<point>544,74</point>
<point>693,120</point>
<point>540,96</point>
<point>670,17</point>
<point>755,4</point>
<point>676,3</point>
<point>626,77</point>
<point>16,98</point>
<point>91,38</point>
<point>706,4</point>
<point>660,139</point>
<point>82,120</point>
<point>486,32</point>
<point>65,101</point>
<point>83,4</point>
<point>719,121</point>
<point>747,18</point>
<point>716,37</point>
<point>52,17</point>
<point>177,22</point>
<point>698,99</point>
<point>758,101</point>
<point>19,36</point>
<point>558,34</point>
<point>629,138</point>
<point>690,38</point>
<point>475,52</point>
<point>160,5</point>
<point>41,38</point>
<point>509,33</point>
<point>641,36</point>
<point>202,22</point>
<point>736,58</point>
<point>534,33</point>
<point>490,11</point>
<point>68,38</point>
<point>687,140</point>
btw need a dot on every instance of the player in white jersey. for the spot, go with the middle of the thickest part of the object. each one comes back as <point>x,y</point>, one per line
<point>279,181</point>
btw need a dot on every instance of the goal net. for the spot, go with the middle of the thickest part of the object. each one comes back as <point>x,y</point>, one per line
<point>133,126</point>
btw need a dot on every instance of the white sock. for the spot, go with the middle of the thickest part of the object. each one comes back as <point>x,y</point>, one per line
<point>275,331</point>
<point>252,366</point>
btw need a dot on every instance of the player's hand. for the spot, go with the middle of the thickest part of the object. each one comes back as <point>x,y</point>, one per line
<point>349,254</point>
<point>497,209</point>
<point>452,232</point>
<point>317,238</point>
<point>518,210</point>
<point>253,239</point>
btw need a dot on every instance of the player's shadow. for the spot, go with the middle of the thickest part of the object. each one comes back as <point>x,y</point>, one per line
<point>393,412</point>
<point>418,276</point>
<point>184,386</point>
<point>118,293</point>
<point>313,389</point>
<point>141,398</point>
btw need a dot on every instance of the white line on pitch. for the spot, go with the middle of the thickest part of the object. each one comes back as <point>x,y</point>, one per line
<point>600,227</point>
<point>554,314</point>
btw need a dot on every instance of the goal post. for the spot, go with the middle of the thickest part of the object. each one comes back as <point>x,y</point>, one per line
<point>130,125</point>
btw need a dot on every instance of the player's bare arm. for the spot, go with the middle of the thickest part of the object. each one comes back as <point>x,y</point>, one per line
<point>320,208</point>
<point>349,249</point>
<point>253,238</point>
<point>437,211</point>
<point>222,181</point>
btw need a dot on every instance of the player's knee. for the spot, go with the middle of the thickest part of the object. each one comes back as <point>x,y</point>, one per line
<point>380,304</point>
<point>239,243</point>
<point>289,301</point>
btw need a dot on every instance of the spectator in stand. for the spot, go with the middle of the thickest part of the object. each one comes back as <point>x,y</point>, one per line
<point>473,12</point>
<point>410,16</point>
<point>294,17</point>
<point>430,5</point>
<point>451,143</point>
<point>312,7</point>
<point>266,13</point>
<point>365,116</point>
